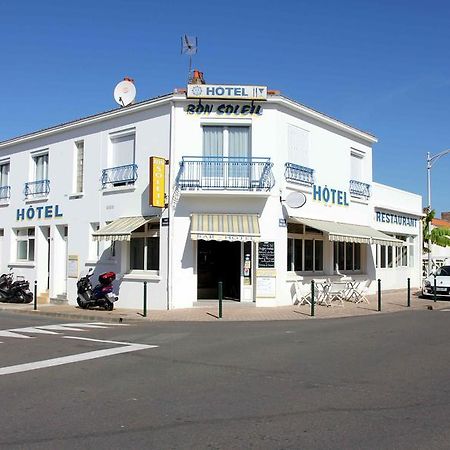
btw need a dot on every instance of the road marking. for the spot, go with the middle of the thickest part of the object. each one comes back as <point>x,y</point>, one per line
<point>7,333</point>
<point>52,329</point>
<point>126,347</point>
<point>447,309</point>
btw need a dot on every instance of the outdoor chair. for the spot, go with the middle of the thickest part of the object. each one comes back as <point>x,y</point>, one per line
<point>336,292</point>
<point>302,295</point>
<point>360,294</point>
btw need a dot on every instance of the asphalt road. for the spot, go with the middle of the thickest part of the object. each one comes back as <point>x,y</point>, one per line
<point>358,383</point>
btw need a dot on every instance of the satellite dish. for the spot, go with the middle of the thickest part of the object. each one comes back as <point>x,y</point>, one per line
<point>295,200</point>
<point>125,92</point>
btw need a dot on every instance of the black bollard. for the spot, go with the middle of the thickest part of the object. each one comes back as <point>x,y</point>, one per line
<point>379,294</point>
<point>409,293</point>
<point>434,291</point>
<point>312,298</point>
<point>35,296</point>
<point>145,300</point>
<point>220,299</point>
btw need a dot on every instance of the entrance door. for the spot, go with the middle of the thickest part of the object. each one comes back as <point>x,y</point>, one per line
<point>218,261</point>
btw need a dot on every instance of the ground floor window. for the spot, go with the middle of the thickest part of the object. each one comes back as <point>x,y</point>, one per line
<point>25,244</point>
<point>347,256</point>
<point>144,248</point>
<point>304,255</point>
<point>388,256</point>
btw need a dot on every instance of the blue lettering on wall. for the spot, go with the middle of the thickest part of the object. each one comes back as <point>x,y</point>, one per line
<point>396,219</point>
<point>39,212</point>
<point>329,195</point>
<point>225,108</point>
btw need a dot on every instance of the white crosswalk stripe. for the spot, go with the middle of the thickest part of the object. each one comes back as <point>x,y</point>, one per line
<point>24,332</point>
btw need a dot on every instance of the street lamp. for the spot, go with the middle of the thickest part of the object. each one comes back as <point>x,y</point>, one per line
<point>430,161</point>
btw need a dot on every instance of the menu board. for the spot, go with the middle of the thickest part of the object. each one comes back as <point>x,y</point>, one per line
<point>266,255</point>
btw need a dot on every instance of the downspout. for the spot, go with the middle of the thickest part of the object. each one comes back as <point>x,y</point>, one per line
<point>170,207</point>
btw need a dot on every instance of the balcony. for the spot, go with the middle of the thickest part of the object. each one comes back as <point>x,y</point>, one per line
<point>119,176</point>
<point>359,189</point>
<point>225,173</point>
<point>5,193</point>
<point>36,189</point>
<point>299,174</point>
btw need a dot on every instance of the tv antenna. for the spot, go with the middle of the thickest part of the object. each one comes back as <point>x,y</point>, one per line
<point>189,46</point>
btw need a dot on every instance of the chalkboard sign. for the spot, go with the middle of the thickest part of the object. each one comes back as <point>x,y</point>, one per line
<point>266,255</point>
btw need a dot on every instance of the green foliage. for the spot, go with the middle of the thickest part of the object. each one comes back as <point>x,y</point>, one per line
<point>437,236</point>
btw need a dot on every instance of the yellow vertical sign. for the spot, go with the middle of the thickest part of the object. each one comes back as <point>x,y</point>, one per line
<point>157,181</point>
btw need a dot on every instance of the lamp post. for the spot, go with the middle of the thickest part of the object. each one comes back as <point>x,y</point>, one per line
<point>430,161</point>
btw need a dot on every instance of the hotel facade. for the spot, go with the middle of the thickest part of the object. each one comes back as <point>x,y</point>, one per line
<point>244,186</point>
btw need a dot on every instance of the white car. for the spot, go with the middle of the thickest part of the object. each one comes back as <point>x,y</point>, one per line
<point>442,276</point>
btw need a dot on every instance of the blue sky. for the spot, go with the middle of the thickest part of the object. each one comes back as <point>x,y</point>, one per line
<point>381,66</point>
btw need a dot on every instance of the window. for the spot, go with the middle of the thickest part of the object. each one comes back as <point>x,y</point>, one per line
<point>40,167</point>
<point>4,181</point>
<point>25,244</point>
<point>305,253</point>
<point>144,248</point>
<point>298,146</point>
<point>347,256</point>
<point>122,149</point>
<point>79,167</point>
<point>4,174</point>
<point>356,166</point>
<point>404,256</point>
<point>231,142</point>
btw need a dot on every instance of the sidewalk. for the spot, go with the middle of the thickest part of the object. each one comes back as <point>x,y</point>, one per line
<point>393,301</point>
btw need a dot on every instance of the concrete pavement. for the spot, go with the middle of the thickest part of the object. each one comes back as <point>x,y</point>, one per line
<point>392,301</point>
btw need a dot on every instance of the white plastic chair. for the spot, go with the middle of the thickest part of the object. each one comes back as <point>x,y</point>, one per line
<point>360,294</point>
<point>336,291</point>
<point>302,296</point>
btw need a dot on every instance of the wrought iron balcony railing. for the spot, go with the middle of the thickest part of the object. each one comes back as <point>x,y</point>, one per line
<point>359,189</point>
<point>119,176</point>
<point>39,188</point>
<point>299,174</point>
<point>225,173</point>
<point>5,192</point>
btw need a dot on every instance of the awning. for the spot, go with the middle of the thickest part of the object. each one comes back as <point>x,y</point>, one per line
<point>225,227</point>
<point>347,232</point>
<point>121,229</point>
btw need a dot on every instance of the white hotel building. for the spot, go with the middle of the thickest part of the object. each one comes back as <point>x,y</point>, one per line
<point>76,196</point>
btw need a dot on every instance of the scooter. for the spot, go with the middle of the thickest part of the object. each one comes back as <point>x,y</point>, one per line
<point>14,291</point>
<point>101,295</point>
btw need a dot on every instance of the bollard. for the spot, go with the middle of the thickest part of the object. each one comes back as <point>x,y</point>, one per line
<point>145,300</point>
<point>409,293</point>
<point>312,298</point>
<point>434,291</point>
<point>379,294</point>
<point>220,299</point>
<point>35,296</point>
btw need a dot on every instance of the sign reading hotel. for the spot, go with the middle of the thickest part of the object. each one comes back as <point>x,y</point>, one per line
<point>157,181</point>
<point>234,92</point>
<point>330,196</point>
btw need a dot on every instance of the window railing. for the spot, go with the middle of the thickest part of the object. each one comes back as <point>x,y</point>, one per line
<point>225,173</point>
<point>359,189</point>
<point>5,192</point>
<point>299,174</point>
<point>119,176</point>
<point>39,188</point>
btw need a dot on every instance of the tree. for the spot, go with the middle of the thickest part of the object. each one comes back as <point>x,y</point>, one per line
<point>437,235</point>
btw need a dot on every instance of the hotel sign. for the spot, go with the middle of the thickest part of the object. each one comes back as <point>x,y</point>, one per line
<point>234,92</point>
<point>157,182</point>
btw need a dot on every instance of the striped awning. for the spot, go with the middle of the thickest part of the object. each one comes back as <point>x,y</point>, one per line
<point>121,229</point>
<point>348,232</point>
<point>225,227</point>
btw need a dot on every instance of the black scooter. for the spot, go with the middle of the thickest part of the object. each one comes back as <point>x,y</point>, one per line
<point>101,295</point>
<point>14,291</point>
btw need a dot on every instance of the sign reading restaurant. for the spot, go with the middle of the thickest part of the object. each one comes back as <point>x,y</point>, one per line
<point>234,92</point>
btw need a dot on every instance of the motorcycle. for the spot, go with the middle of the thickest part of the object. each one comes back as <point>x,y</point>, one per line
<point>17,291</point>
<point>101,295</point>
